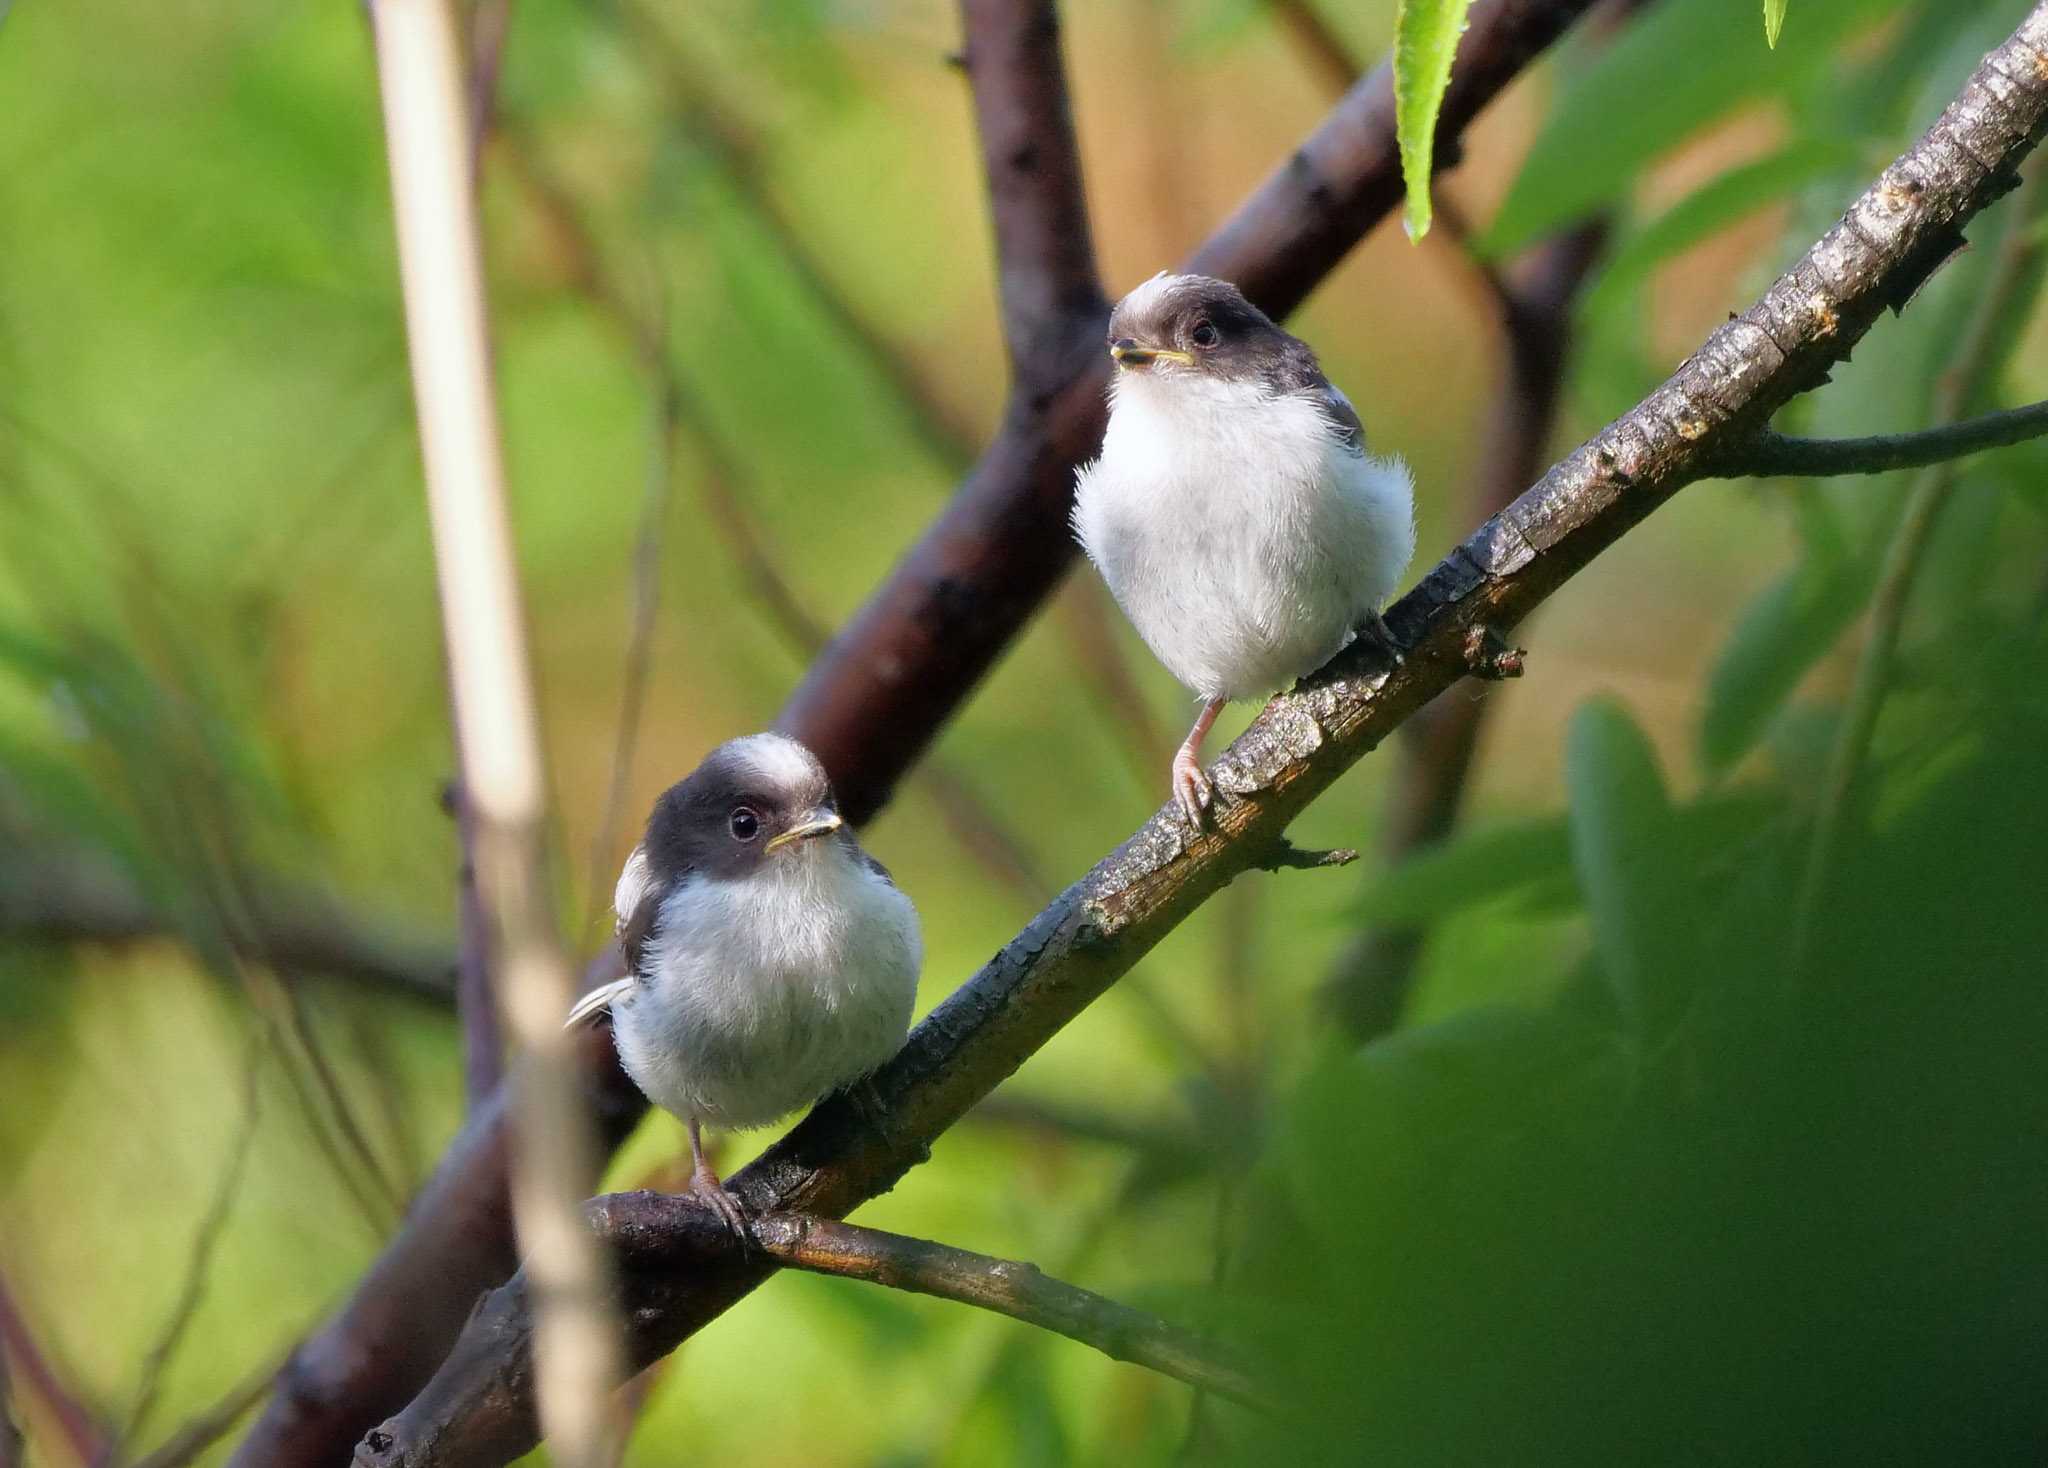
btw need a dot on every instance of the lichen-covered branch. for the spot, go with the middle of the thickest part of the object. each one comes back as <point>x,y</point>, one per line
<point>479,1408</point>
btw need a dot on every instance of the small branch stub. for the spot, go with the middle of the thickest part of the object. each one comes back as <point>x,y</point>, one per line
<point>1285,856</point>
<point>1489,655</point>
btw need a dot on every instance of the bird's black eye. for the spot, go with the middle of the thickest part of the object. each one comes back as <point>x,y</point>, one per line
<point>745,824</point>
<point>1205,334</point>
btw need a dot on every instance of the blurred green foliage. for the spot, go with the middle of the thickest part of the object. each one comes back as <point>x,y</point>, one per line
<point>1624,1187</point>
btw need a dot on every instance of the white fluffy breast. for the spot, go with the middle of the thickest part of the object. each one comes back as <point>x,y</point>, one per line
<point>1243,539</point>
<point>759,995</point>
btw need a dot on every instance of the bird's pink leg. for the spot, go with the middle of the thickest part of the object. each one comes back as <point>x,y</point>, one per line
<point>704,1184</point>
<point>1190,785</point>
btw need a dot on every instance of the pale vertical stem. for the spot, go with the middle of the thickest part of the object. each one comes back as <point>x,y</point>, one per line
<point>427,134</point>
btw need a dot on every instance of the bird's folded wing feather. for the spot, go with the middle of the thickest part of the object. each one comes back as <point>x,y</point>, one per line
<point>598,1000</point>
<point>634,931</point>
<point>1337,408</point>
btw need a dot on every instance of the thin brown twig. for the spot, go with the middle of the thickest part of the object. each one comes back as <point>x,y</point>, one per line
<point>1007,1287</point>
<point>208,1426</point>
<point>1317,44</point>
<point>31,1371</point>
<point>1774,455</point>
<point>656,496</point>
<point>55,891</point>
<point>693,98</point>
<point>205,1244</point>
<point>476,1010</point>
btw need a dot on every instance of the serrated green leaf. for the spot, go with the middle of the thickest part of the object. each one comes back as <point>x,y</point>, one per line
<point>1774,21</point>
<point>1682,65</point>
<point>1781,634</point>
<point>1425,39</point>
<point>1622,848</point>
<point>1734,196</point>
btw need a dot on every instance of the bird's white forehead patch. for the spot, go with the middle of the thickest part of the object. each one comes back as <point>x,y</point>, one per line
<point>1147,298</point>
<point>778,762</point>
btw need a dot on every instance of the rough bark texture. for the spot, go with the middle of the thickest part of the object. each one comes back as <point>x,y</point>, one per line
<point>478,1409</point>
<point>890,681</point>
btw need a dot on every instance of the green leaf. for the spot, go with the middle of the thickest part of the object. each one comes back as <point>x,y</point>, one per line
<point>1425,39</point>
<point>1779,636</point>
<point>1622,848</point>
<point>1684,64</point>
<point>1735,195</point>
<point>1466,870</point>
<point>1774,21</point>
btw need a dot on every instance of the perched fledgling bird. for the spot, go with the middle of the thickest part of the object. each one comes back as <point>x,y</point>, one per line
<point>1235,512</point>
<point>769,959</point>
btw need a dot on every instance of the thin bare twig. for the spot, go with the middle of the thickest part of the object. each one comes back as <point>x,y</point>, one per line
<point>59,892</point>
<point>663,432</point>
<point>1317,44</point>
<point>31,1371</point>
<point>211,1424</point>
<point>1008,1287</point>
<point>497,731</point>
<point>476,1011</point>
<point>1773,455</point>
<point>205,1243</point>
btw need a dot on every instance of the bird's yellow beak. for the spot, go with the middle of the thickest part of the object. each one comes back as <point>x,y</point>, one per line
<point>1127,353</point>
<point>820,822</point>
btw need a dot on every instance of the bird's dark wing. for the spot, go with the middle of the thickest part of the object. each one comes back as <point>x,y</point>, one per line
<point>638,929</point>
<point>876,867</point>
<point>1337,408</point>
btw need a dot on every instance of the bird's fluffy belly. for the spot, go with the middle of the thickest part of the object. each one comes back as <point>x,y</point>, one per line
<point>1243,540</point>
<point>774,989</point>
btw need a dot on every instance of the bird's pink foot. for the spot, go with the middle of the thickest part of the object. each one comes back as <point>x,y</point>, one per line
<point>1191,789</point>
<point>705,1186</point>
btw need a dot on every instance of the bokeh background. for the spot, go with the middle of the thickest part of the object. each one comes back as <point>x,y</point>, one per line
<point>1617,1183</point>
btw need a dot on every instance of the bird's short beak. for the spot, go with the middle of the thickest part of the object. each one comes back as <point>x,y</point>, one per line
<point>1127,353</point>
<point>820,822</point>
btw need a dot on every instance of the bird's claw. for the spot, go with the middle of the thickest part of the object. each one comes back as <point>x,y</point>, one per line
<point>1191,788</point>
<point>707,1189</point>
<point>1376,630</point>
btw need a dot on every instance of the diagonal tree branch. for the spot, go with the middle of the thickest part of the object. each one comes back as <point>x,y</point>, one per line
<point>869,707</point>
<point>479,1408</point>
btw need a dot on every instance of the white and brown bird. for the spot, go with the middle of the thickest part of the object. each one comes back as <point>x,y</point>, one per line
<point>769,959</point>
<point>1235,512</point>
